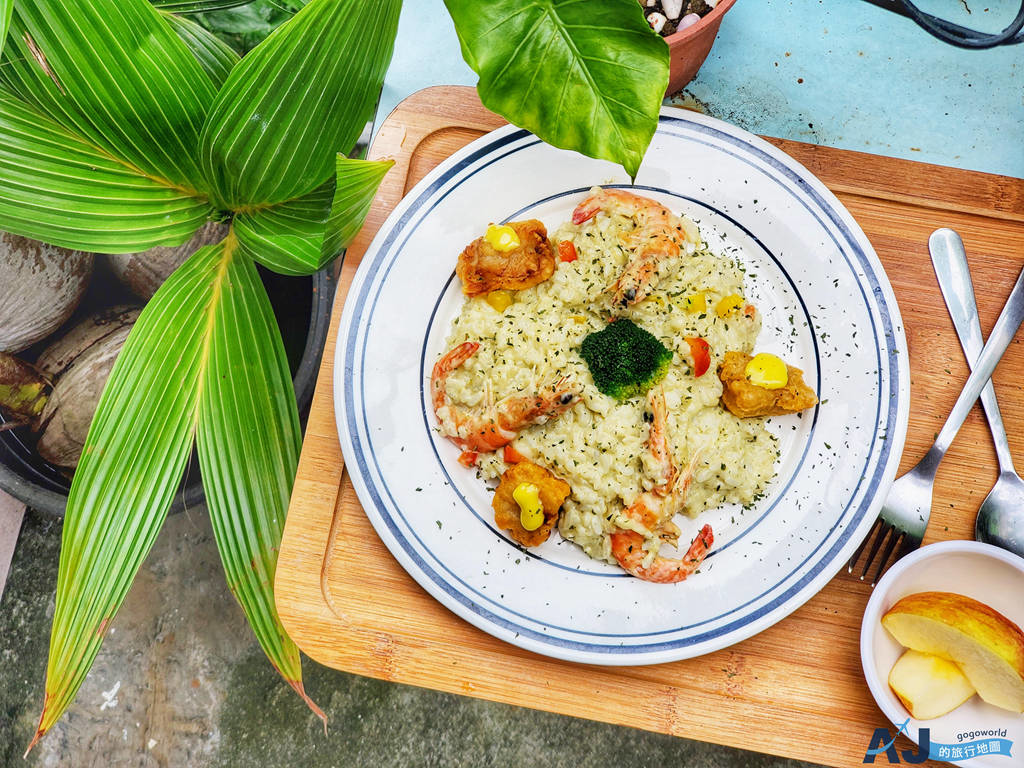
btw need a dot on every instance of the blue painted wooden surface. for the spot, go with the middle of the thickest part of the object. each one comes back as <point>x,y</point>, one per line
<point>837,72</point>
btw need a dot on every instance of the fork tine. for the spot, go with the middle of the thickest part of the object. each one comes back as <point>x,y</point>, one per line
<point>884,563</point>
<point>864,543</point>
<point>883,531</point>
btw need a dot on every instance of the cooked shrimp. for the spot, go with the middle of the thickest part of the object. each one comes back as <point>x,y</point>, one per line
<point>628,549</point>
<point>658,236</point>
<point>652,511</point>
<point>657,437</point>
<point>497,424</point>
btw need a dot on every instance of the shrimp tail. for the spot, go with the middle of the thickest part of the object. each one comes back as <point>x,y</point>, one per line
<point>628,550</point>
<point>586,210</point>
<point>700,546</point>
<point>444,366</point>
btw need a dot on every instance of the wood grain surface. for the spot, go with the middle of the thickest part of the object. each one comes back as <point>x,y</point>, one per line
<point>797,688</point>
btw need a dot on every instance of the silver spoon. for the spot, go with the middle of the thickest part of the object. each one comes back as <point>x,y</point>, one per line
<point>1001,515</point>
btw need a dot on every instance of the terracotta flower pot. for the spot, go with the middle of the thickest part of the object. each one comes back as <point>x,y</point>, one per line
<point>689,47</point>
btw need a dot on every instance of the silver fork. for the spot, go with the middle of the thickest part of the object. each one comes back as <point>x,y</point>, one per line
<point>1001,515</point>
<point>904,516</point>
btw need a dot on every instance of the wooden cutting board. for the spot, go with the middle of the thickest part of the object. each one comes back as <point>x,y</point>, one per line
<point>796,689</point>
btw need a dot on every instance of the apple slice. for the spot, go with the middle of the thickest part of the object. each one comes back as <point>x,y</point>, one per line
<point>987,646</point>
<point>927,685</point>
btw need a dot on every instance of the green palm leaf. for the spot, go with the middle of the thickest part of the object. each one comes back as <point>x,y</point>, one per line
<point>197,6</point>
<point>583,76</point>
<point>288,237</point>
<point>6,6</point>
<point>204,359</point>
<point>356,185</point>
<point>115,73</point>
<point>297,100</point>
<point>249,440</point>
<point>57,187</point>
<point>301,236</point>
<point>215,56</point>
<point>133,460</point>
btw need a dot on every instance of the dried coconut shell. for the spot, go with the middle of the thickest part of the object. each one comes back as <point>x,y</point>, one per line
<point>76,393</point>
<point>144,272</point>
<point>23,389</point>
<point>40,286</point>
<point>60,355</point>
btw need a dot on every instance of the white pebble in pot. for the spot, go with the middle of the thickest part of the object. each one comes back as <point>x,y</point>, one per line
<point>657,21</point>
<point>672,8</point>
<point>688,20</point>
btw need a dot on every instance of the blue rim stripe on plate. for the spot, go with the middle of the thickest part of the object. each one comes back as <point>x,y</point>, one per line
<point>381,257</point>
<point>416,556</point>
<point>549,625</point>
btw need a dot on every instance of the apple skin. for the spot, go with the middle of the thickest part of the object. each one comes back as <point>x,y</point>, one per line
<point>987,646</point>
<point>927,685</point>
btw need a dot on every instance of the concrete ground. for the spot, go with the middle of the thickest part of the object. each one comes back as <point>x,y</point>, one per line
<point>181,682</point>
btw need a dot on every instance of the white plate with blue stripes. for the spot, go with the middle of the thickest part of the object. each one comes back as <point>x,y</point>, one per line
<point>827,307</point>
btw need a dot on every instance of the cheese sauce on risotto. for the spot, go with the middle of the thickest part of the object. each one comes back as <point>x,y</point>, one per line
<point>598,446</point>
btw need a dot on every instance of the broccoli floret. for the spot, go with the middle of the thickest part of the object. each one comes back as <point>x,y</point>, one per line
<point>624,359</point>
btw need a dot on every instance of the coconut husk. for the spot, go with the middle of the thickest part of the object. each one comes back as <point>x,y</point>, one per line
<point>59,356</point>
<point>23,389</point>
<point>76,393</point>
<point>40,286</point>
<point>142,273</point>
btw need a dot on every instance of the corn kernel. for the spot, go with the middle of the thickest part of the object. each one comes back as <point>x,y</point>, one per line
<point>696,303</point>
<point>531,511</point>
<point>727,304</point>
<point>502,238</point>
<point>767,371</point>
<point>499,300</point>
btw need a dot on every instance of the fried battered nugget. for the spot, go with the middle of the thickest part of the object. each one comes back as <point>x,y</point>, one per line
<point>483,268</point>
<point>748,400</point>
<point>506,510</point>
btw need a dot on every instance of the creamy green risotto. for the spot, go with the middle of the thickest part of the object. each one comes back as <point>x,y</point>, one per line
<point>598,446</point>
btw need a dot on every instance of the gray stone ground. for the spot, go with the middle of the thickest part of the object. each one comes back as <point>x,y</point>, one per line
<point>180,682</point>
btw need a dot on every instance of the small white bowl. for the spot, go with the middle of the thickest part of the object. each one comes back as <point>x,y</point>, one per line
<point>986,573</point>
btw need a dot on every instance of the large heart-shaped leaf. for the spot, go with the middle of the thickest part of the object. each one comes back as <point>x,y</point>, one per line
<point>298,99</point>
<point>116,74</point>
<point>54,186</point>
<point>587,76</point>
<point>301,236</point>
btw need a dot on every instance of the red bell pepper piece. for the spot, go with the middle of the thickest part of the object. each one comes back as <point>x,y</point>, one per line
<point>701,352</point>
